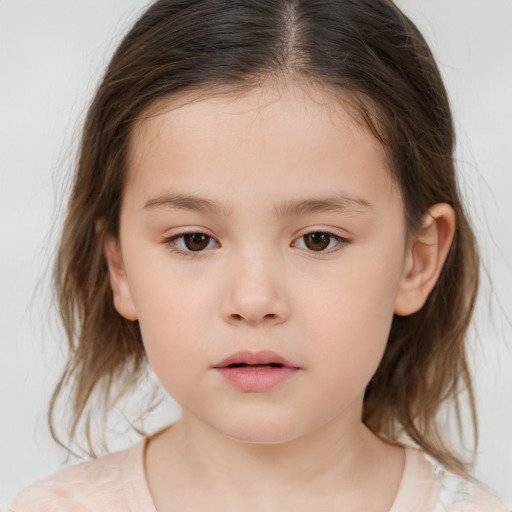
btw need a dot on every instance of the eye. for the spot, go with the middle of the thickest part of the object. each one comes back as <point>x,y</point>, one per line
<point>191,242</point>
<point>319,241</point>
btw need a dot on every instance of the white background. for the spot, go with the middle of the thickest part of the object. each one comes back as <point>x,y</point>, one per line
<point>52,53</point>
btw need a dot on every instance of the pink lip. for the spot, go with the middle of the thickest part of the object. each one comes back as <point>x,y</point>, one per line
<point>251,379</point>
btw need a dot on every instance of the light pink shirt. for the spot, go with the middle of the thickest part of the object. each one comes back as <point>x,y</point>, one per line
<point>117,483</point>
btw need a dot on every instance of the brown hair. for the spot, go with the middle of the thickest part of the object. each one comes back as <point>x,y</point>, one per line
<point>368,52</point>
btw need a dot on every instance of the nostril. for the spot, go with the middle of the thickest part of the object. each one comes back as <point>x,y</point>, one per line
<point>254,317</point>
<point>237,316</point>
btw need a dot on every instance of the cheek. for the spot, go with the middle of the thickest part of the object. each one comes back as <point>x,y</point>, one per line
<point>173,346</point>
<point>173,313</point>
<point>351,317</point>
<point>354,331</point>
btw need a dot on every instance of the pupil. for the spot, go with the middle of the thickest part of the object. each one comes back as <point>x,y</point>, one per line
<point>196,241</point>
<point>317,241</point>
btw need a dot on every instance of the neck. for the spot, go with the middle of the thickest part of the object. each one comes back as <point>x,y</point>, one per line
<point>335,458</point>
<point>295,462</point>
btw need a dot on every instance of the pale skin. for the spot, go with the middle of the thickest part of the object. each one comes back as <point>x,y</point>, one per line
<point>256,174</point>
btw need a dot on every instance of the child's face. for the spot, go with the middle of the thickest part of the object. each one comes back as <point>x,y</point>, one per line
<point>258,176</point>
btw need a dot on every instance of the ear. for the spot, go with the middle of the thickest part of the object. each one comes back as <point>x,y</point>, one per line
<point>425,259</point>
<point>123,300</point>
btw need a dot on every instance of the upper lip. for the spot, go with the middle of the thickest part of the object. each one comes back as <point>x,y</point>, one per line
<point>262,357</point>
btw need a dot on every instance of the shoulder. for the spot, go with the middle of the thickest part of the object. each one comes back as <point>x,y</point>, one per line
<point>458,494</point>
<point>97,485</point>
<point>428,487</point>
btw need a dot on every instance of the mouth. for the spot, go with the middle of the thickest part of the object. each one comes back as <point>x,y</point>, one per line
<point>254,366</point>
<point>248,359</point>
<point>256,371</point>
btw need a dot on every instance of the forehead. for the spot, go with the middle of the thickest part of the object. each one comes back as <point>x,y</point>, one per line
<point>300,98</point>
<point>292,130</point>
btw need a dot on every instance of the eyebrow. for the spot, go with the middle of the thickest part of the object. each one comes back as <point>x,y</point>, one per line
<point>292,208</point>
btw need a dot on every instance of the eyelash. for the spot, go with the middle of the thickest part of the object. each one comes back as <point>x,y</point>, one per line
<point>172,243</point>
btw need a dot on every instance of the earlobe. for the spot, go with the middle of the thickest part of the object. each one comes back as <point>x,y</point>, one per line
<point>121,292</point>
<point>425,259</point>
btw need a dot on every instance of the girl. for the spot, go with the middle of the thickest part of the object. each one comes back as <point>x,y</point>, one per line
<point>265,210</point>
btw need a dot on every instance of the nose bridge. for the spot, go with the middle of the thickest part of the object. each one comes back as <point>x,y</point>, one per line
<point>255,291</point>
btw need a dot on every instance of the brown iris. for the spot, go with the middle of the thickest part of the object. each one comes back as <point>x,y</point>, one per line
<point>317,241</point>
<point>196,241</point>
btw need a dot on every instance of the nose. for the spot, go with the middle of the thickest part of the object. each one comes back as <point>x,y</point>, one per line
<point>255,293</point>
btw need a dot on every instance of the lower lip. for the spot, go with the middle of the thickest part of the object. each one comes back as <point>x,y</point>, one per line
<point>257,379</point>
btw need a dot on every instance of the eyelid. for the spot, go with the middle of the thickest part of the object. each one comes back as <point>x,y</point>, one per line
<point>342,241</point>
<point>170,241</point>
